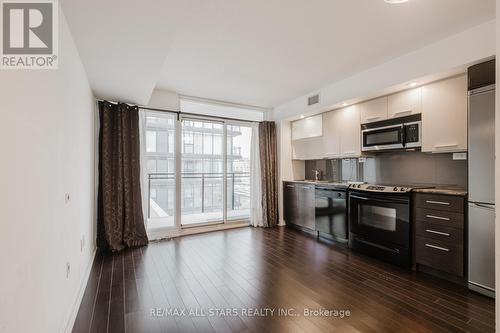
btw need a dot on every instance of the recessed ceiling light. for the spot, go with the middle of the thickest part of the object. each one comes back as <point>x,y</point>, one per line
<point>302,116</point>
<point>413,84</point>
<point>344,104</point>
<point>394,2</point>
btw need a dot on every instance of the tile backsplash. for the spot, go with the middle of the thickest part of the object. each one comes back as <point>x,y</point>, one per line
<point>395,168</point>
<point>334,169</point>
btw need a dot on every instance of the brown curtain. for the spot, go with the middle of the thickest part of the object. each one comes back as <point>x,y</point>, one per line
<point>120,219</point>
<point>269,162</point>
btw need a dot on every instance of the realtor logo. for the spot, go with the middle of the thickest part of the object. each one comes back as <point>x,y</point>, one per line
<point>29,34</point>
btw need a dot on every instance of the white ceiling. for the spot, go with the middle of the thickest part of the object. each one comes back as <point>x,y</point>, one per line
<point>123,43</point>
<point>260,53</point>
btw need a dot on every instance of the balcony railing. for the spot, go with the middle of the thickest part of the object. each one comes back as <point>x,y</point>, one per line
<point>238,192</point>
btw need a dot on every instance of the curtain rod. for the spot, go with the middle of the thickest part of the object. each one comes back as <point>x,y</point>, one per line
<point>179,113</point>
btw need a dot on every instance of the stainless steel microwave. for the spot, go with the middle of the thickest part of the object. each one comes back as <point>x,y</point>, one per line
<point>397,133</point>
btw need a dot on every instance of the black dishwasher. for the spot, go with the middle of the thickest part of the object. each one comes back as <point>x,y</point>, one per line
<point>331,213</point>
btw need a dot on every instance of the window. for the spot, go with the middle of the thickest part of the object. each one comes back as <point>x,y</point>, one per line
<point>239,140</point>
<point>217,144</point>
<point>162,141</point>
<point>203,195</point>
<point>187,142</point>
<point>207,143</point>
<point>214,161</point>
<point>159,129</point>
<point>150,142</point>
<point>171,141</point>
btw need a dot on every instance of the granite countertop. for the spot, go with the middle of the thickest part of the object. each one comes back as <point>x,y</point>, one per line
<point>437,189</point>
<point>321,182</point>
<point>444,189</point>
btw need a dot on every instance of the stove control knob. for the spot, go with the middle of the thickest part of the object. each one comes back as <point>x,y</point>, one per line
<point>395,188</point>
<point>402,189</point>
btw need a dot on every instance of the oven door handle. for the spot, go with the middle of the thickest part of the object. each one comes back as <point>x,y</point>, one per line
<point>403,135</point>
<point>394,250</point>
<point>356,197</point>
<point>394,200</point>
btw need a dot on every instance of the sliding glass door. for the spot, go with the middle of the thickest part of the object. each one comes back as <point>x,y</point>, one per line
<point>239,138</point>
<point>202,182</point>
<point>212,184</point>
<point>158,160</point>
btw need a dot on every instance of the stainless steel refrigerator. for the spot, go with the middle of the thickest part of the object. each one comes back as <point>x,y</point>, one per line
<point>481,205</point>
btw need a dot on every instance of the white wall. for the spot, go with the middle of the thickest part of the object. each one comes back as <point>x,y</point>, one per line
<point>438,60</point>
<point>164,99</point>
<point>47,145</point>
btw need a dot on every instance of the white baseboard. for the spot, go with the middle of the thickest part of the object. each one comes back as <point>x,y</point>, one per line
<point>76,306</point>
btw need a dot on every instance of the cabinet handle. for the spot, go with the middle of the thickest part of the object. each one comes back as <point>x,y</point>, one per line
<point>290,186</point>
<point>437,232</point>
<point>437,247</point>
<point>446,146</point>
<point>349,152</point>
<point>437,217</point>
<point>400,112</point>
<point>438,202</point>
<point>373,118</point>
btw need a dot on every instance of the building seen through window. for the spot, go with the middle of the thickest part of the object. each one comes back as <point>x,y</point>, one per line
<point>202,170</point>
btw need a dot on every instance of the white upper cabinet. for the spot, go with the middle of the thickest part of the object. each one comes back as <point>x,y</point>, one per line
<point>307,128</point>
<point>308,149</point>
<point>350,140</point>
<point>374,110</point>
<point>341,136</point>
<point>332,124</point>
<point>337,134</point>
<point>444,115</point>
<point>404,103</point>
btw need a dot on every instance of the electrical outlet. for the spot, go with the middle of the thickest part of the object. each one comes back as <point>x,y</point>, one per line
<point>68,269</point>
<point>459,156</point>
<point>66,198</point>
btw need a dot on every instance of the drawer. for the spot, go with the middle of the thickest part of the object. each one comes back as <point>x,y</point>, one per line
<point>439,255</point>
<point>448,235</point>
<point>441,217</point>
<point>448,203</point>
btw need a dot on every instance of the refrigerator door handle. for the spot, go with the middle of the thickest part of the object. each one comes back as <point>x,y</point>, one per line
<point>483,205</point>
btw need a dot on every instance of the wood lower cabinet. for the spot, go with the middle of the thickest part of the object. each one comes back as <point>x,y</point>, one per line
<point>439,229</point>
<point>289,202</point>
<point>298,205</point>
<point>440,255</point>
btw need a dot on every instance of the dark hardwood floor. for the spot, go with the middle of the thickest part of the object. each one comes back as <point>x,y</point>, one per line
<point>249,268</point>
